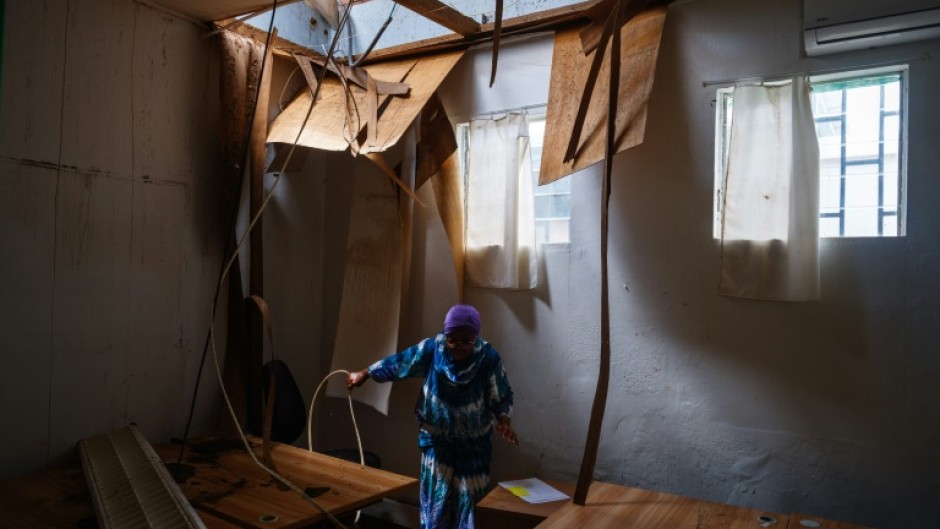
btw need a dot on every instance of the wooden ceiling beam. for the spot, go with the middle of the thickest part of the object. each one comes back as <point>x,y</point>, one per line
<point>443,14</point>
<point>542,20</point>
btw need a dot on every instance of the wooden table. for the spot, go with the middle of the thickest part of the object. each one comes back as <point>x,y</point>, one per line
<point>616,507</point>
<point>501,509</point>
<point>226,488</point>
<point>224,483</point>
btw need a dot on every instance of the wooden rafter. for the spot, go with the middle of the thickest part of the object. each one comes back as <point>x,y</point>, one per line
<point>443,14</point>
<point>549,18</point>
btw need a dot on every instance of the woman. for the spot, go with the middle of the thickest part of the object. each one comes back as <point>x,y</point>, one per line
<point>465,390</point>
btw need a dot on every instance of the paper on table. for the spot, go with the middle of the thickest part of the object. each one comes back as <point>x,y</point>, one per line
<point>533,490</point>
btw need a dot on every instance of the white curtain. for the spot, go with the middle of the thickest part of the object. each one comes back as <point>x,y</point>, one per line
<point>770,228</point>
<point>500,206</point>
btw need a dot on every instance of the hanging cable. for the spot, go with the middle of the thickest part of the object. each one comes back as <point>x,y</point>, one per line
<point>231,227</point>
<point>362,456</point>
<point>224,274</point>
<point>352,413</point>
<point>375,40</point>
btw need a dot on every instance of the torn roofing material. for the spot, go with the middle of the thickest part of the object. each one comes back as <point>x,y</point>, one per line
<point>639,49</point>
<point>337,122</point>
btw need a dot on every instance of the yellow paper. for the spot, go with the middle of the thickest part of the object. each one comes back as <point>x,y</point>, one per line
<point>519,491</point>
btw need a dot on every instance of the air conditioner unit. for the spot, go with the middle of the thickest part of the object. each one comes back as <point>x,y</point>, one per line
<point>834,26</point>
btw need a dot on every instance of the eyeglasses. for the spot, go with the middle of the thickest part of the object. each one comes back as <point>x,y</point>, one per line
<point>454,342</point>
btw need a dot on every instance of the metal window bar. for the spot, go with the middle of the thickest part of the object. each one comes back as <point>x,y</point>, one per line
<point>845,163</point>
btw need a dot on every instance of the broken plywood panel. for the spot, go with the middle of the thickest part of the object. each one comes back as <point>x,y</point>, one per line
<point>368,318</point>
<point>90,309</point>
<point>97,116</point>
<point>27,229</point>
<point>33,70</point>
<point>241,66</point>
<point>327,127</point>
<point>424,79</point>
<point>438,161</point>
<point>640,39</point>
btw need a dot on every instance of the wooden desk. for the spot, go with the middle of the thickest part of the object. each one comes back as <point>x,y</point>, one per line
<point>502,509</point>
<point>223,482</point>
<point>226,488</point>
<point>614,507</point>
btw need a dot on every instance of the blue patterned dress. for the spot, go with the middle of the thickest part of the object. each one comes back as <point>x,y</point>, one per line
<point>456,409</point>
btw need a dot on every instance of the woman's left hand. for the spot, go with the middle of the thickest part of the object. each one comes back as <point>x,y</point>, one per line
<point>504,428</point>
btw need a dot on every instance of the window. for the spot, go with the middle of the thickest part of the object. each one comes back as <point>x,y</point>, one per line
<point>552,201</point>
<point>860,122</point>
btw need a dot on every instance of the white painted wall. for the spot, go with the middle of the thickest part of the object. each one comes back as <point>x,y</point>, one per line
<point>828,408</point>
<point>110,224</point>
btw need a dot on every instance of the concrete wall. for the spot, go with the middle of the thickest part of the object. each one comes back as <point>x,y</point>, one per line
<point>110,223</point>
<point>828,408</point>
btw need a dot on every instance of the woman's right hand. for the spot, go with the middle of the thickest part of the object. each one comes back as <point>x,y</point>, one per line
<point>356,379</point>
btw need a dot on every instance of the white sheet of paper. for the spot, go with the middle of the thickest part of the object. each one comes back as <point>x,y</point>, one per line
<point>533,490</point>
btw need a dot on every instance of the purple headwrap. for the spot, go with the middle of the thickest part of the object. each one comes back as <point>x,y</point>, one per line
<point>462,317</point>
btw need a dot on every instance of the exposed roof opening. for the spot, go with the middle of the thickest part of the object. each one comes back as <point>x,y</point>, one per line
<point>410,25</point>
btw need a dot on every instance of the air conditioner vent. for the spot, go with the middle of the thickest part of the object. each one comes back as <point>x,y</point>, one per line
<point>829,28</point>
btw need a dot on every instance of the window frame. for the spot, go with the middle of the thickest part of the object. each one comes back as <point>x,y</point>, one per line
<point>723,108</point>
<point>462,131</point>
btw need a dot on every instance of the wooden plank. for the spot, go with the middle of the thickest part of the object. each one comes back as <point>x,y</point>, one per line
<point>257,153</point>
<point>438,141</point>
<point>371,285</point>
<point>588,89</point>
<point>33,75</point>
<point>448,195</point>
<point>640,40</point>
<point>98,74</point>
<point>283,47</point>
<point>27,229</point>
<point>586,475</point>
<point>443,14</point>
<point>380,162</point>
<point>237,52</point>
<point>497,34</point>
<point>424,79</point>
<point>540,21</point>
<point>226,483</point>
<point>325,128</point>
<point>611,506</point>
